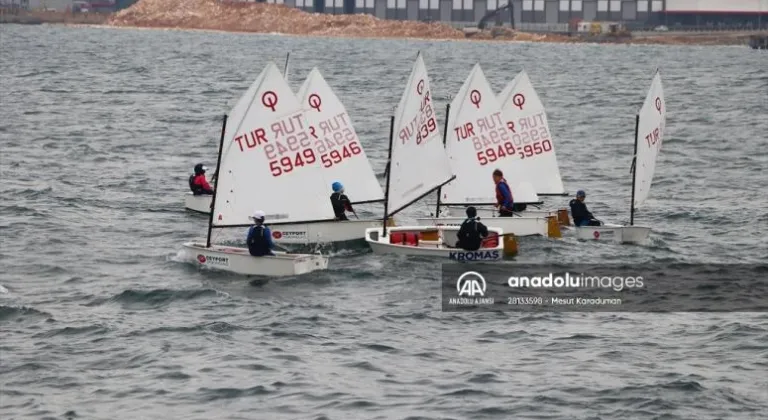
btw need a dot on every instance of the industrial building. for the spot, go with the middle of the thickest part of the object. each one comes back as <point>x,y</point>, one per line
<point>554,15</point>
<point>544,14</point>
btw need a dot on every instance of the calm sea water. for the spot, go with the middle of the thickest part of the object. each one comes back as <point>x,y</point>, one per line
<point>100,318</point>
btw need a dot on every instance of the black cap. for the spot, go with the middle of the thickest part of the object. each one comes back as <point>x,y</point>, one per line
<point>471,211</point>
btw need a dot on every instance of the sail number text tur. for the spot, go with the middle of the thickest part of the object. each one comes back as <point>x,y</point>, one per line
<point>423,123</point>
<point>494,140</point>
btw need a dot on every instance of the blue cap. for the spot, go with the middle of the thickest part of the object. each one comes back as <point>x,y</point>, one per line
<point>337,186</point>
<point>581,193</point>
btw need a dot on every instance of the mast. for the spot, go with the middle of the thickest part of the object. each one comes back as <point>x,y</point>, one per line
<point>285,68</point>
<point>389,173</point>
<point>445,139</point>
<point>634,172</point>
<point>216,182</point>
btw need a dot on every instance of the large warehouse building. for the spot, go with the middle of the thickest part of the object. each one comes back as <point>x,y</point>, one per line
<point>527,14</point>
<point>552,12</point>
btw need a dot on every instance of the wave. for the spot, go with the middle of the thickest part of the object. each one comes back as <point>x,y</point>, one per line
<point>19,313</point>
<point>215,327</point>
<point>157,297</point>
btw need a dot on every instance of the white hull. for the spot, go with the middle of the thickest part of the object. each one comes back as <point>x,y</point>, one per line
<point>520,226</point>
<point>321,232</point>
<point>238,260</point>
<point>198,203</point>
<point>489,211</point>
<point>614,233</point>
<point>433,241</point>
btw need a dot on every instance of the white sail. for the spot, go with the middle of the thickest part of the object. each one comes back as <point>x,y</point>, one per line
<point>341,153</point>
<point>531,137</point>
<point>268,159</point>
<point>650,135</point>
<point>478,143</point>
<point>419,163</point>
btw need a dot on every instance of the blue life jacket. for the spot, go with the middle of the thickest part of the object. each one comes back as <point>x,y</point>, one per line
<point>259,241</point>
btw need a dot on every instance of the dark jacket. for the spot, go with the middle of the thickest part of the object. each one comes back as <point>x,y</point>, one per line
<point>260,241</point>
<point>199,185</point>
<point>341,204</point>
<point>471,235</point>
<point>579,212</point>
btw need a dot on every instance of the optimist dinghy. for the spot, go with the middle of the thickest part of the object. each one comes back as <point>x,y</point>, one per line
<point>479,139</point>
<point>202,203</point>
<point>650,123</point>
<point>431,241</point>
<point>337,150</point>
<point>418,147</point>
<point>268,113</point>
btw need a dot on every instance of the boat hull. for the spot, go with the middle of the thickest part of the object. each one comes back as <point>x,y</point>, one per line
<point>198,203</point>
<point>613,233</point>
<point>239,261</point>
<point>520,226</point>
<point>434,241</point>
<point>488,212</point>
<point>322,232</point>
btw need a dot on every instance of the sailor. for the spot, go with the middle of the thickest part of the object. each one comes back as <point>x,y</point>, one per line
<point>471,232</point>
<point>259,238</point>
<point>582,216</point>
<point>340,201</point>
<point>504,201</point>
<point>197,182</point>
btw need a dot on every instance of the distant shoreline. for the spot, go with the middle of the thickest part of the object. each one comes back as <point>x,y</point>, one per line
<point>503,34</point>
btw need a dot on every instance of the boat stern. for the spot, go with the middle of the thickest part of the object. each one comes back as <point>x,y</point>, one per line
<point>198,203</point>
<point>613,233</point>
<point>309,263</point>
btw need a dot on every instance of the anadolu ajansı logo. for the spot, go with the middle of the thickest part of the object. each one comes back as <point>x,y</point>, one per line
<point>470,284</point>
<point>471,287</point>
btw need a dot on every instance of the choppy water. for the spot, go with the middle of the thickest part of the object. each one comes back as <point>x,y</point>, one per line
<point>100,319</point>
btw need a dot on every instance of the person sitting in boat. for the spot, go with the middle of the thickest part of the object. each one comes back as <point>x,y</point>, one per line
<point>504,201</point>
<point>197,182</point>
<point>259,238</point>
<point>471,232</point>
<point>340,201</point>
<point>582,216</point>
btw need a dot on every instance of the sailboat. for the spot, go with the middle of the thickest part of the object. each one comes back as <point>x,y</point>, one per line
<point>202,203</point>
<point>256,134</point>
<point>479,141</point>
<point>650,123</point>
<point>535,171</point>
<point>418,166</point>
<point>341,156</point>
